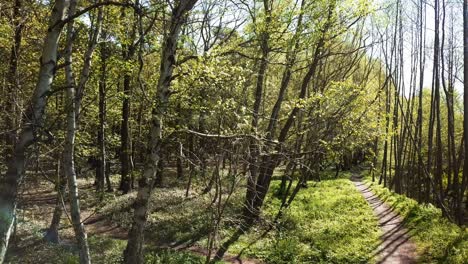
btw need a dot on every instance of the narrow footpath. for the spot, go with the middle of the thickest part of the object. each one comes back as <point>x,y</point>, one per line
<point>395,246</point>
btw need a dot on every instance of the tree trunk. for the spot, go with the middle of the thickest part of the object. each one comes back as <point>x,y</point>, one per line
<point>74,94</point>
<point>125,137</point>
<point>69,168</point>
<point>420,174</point>
<point>465,106</point>
<point>286,78</point>
<point>12,113</point>
<point>34,117</point>
<point>52,234</point>
<point>254,149</point>
<point>133,253</point>
<point>102,119</point>
<point>125,184</point>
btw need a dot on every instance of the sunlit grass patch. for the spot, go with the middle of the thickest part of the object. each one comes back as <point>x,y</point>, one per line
<point>329,222</point>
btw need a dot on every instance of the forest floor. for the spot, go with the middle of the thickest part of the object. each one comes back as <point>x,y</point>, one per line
<point>437,240</point>
<point>329,222</point>
<point>396,246</point>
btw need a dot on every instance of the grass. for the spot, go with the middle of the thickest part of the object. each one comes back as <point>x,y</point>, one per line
<point>103,250</point>
<point>437,239</point>
<point>329,222</point>
<point>29,248</point>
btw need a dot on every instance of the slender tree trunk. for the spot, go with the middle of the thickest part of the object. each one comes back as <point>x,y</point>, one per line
<point>420,173</point>
<point>125,184</point>
<point>397,144</point>
<point>383,175</point>
<point>125,137</point>
<point>191,165</point>
<point>180,165</point>
<point>74,94</point>
<point>453,186</point>
<point>448,91</point>
<point>254,147</point>
<point>438,172</point>
<point>102,119</point>
<point>287,73</point>
<point>465,106</point>
<point>267,164</point>
<point>69,148</point>
<point>12,112</point>
<point>133,253</point>
<point>10,182</point>
<point>52,234</point>
<point>69,169</point>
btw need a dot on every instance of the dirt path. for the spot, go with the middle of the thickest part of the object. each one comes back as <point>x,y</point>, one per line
<point>396,246</point>
<point>38,202</point>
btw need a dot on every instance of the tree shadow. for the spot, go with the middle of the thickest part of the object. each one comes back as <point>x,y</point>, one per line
<point>395,244</point>
<point>240,230</point>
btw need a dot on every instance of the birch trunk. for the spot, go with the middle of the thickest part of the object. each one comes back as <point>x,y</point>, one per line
<point>74,94</point>
<point>133,253</point>
<point>34,117</point>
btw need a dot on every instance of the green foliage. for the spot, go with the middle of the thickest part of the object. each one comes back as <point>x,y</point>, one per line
<point>213,92</point>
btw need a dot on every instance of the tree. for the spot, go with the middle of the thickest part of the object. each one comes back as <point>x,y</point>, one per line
<point>465,105</point>
<point>13,118</point>
<point>133,253</point>
<point>74,95</point>
<point>29,128</point>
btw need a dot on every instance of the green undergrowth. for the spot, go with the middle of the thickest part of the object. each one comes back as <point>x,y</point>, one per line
<point>173,219</point>
<point>437,239</point>
<point>103,250</point>
<point>328,222</point>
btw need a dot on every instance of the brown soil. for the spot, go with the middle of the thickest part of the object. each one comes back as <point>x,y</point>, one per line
<point>396,246</point>
<point>37,202</point>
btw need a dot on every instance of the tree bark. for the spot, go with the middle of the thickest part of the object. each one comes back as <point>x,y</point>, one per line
<point>125,137</point>
<point>286,78</point>
<point>125,184</point>
<point>12,113</point>
<point>420,174</point>
<point>52,234</point>
<point>74,94</point>
<point>253,147</point>
<point>465,106</point>
<point>268,163</point>
<point>33,120</point>
<point>133,253</point>
<point>102,119</point>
